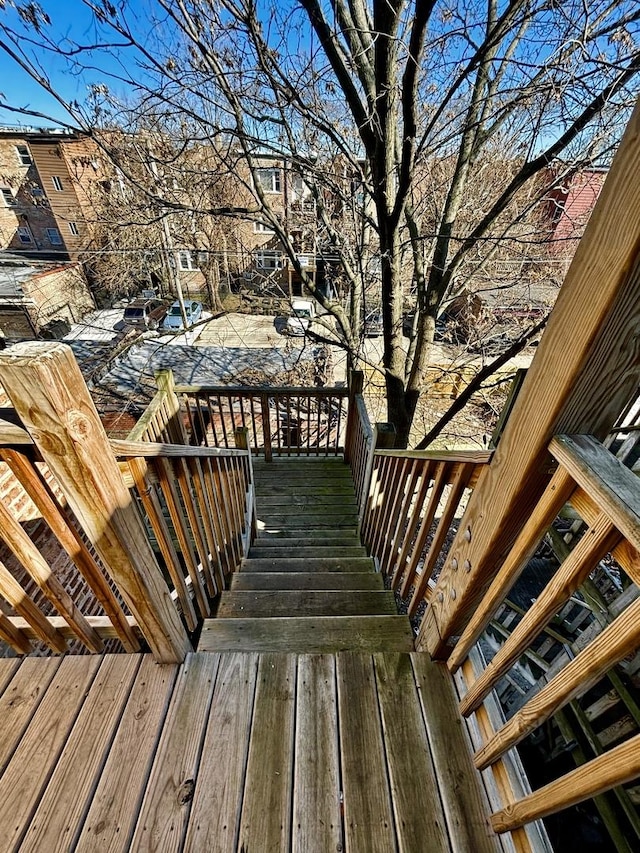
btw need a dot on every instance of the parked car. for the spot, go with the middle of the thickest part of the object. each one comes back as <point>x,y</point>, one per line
<point>145,313</point>
<point>173,320</point>
<point>302,313</point>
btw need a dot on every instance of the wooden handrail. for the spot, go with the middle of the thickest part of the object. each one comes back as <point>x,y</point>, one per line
<point>154,450</point>
<point>270,390</point>
<point>479,457</point>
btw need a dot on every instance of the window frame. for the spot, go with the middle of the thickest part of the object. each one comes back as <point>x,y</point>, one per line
<point>56,180</point>
<point>191,264</point>
<point>55,240</point>
<point>9,199</point>
<point>274,185</point>
<point>25,153</point>
<point>73,229</point>
<point>262,228</point>
<point>26,232</point>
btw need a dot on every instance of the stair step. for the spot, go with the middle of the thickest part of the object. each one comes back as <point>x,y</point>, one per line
<point>268,534</point>
<point>308,634</point>
<point>302,501</point>
<point>302,602</point>
<point>306,580</point>
<point>259,553</point>
<point>273,540</point>
<point>304,488</point>
<point>290,564</point>
<point>316,522</point>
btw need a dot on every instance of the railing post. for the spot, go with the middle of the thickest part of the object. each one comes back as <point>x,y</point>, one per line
<point>266,426</point>
<point>384,438</point>
<point>175,427</point>
<point>48,392</point>
<point>356,384</point>
<point>241,435</point>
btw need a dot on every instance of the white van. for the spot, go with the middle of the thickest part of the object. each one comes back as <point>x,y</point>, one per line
<point>302,314</point>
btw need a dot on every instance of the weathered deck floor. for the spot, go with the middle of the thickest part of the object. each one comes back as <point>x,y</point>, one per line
<point>235,752</point>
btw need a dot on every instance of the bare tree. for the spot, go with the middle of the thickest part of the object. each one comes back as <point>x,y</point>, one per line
<point>426,130</point>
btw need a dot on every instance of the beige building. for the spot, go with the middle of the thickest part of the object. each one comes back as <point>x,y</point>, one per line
<point>44,176</point>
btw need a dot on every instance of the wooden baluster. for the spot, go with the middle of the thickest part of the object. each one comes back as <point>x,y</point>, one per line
<point>616,767</point>
<point>391,499</point>
<point>426,476</point>
<point>597,541</point>
<point>224,502</point>
<point>383,436</point>
<point>165,474</point>
<point>617,640</point>
<point>14,637</point>
<point>440,481</point>
<point>555,496</point>
<point>266,426</point>
<point>13,593</point>
<point>217,510</point>
<point>149,498</point>
<point>401,513</point>
<point>37,568</point>
<point>458,485</point>
<point>379,497</point>
<point>185,475</point>
<point>211,567</point>
<point>38,490</point>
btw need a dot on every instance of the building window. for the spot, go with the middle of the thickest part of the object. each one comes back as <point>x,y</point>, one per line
<point>268,260</point>
<point>57,183</point>
<point>187,261</point>
<point>269,179</point>
<point>53,235</point>
<point>24,234</point>
<point>73,228</point>
<point>24,154</point>
<point>9,198</point>
<point>262,228</point>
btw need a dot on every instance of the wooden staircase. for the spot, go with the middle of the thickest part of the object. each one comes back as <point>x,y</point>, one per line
<point>307,584</point>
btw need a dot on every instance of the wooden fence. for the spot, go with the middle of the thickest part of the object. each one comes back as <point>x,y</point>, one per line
<point>279,421</point>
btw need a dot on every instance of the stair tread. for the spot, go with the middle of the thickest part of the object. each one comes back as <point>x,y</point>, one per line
<point>303,602</point>
<point>311,551</point>
<point>268,535</point>
<point>306,580</point>
<point>275,540</point>
<point>308,634</point>
<point>274,563</point>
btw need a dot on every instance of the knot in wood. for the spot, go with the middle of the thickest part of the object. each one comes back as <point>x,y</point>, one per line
<point>185,791</point>
<point>79,425</point>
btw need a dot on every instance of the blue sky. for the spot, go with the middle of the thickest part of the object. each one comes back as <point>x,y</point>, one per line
<point>71,19</point>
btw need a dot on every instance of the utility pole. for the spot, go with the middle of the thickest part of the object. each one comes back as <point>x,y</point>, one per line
<point>172,257</point>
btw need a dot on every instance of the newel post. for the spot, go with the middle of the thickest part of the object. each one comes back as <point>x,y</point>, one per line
<point>49,394</point>
<point>175,427</point>
<point>356,384</point>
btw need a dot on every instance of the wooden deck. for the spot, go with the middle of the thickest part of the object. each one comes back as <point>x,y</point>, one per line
<point>236,752</point>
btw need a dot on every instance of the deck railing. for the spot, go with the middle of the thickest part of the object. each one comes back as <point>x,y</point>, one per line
<point>415,500</point>
<point>279,421</point>
<point>606,497</point>
<point>148,540</point>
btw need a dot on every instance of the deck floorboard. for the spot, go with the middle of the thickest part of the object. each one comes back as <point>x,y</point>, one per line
<point>236,751</point>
